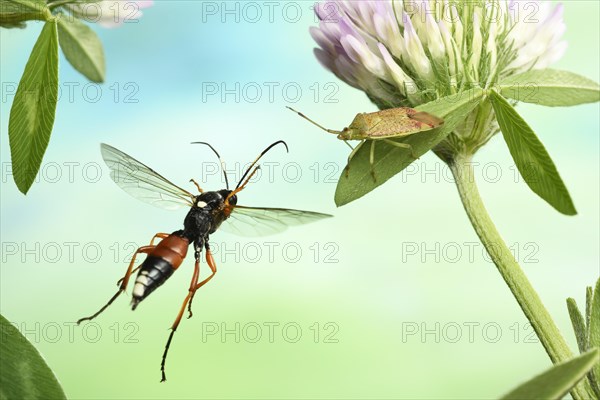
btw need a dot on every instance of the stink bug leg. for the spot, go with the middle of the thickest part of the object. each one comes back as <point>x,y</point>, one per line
<point>352,153</point>
<point>393,143</point>
<point>372,154</point>
<point>402,146</point>
<point>372,160</point>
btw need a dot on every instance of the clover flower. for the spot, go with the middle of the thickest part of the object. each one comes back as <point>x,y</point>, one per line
<point>404,53</point>
<point>110,13</point>
<point>462,61</point>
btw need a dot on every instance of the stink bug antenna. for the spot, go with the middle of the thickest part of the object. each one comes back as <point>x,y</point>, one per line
<point>313,122</point>
<point>220,162</point>
<point>259,157</point>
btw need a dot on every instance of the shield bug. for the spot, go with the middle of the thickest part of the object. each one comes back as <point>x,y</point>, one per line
<point>383,125</point>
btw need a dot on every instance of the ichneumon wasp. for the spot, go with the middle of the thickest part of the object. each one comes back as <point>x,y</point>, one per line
<point>208,212</point>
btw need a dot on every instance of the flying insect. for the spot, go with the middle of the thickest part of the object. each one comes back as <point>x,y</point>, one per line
<point>209,211</point>
<point>383,125</point>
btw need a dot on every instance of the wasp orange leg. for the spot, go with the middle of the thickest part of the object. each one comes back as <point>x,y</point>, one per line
<point>194,282</point>
<point>190,294</point>
<point>213,267</point>
<point>197,186</point>
<point>124,281</point>
<point>120,281</point>
<point>159,235</point>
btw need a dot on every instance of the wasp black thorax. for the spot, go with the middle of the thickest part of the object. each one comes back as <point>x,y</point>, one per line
<point>206,215</point>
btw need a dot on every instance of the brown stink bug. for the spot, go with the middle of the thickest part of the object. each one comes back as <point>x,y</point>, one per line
<point>383,125</point>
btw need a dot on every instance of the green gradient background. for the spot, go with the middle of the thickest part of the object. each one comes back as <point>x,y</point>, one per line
<point>370,293</point>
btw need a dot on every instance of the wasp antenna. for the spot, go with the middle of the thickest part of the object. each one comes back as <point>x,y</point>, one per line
<point>208,144</point>
<point>220,161</point>
<point>313,122</point>
<point>287,150</point>
<point>259,157</point>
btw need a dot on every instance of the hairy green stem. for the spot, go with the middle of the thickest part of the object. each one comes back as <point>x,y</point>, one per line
<point>511,272</point>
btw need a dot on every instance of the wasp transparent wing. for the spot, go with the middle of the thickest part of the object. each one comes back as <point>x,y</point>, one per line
<point>258,221</point>
<point>142,182</point>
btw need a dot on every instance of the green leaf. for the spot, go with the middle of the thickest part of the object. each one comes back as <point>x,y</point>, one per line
<point>33,109</point>
<point>23,372</point>
<point>390,160</point>
<point>6,23</point>
<point>22,6</point>
<point>530,156</point>
<point>82,47</point>
<point>54,4</point>
<point>550,87</point>
<point>578,325</point>
<point>556,382</point>
<point>14,13</point>
<point>594,327</point>
<point>589,297</point>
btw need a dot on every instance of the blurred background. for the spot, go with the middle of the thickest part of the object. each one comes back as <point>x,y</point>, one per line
<point>393,298</point>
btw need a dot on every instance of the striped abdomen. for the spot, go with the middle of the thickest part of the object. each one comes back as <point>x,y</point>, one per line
<point>158,266</point>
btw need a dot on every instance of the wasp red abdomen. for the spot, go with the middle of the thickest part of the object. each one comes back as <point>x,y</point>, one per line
<point>160,264</point>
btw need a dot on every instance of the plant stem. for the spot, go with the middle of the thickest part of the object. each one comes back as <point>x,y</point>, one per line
<point>511,272</point>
